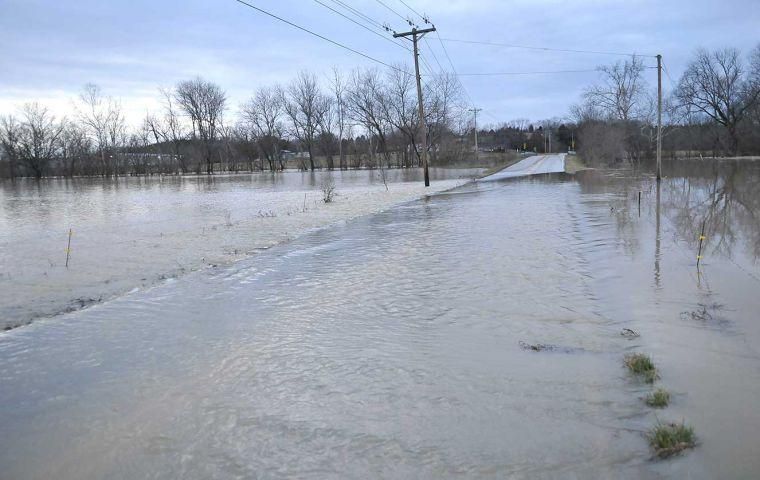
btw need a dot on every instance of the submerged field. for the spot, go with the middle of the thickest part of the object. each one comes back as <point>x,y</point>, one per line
<point>483,332</point>
<point>135,232</point>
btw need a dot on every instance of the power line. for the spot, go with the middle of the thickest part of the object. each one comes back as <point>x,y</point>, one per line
<point>396,13</point>
<point>565,50</point>
<point>453,69</point>
<point>414,11</point>
<point>490,115</point>
<point>672,83</point>
<point>430,70</point>
<point>359,13</point>
<point>242,2</point>
<point>448,57</point>
<point>497,74</point>
<point>435,57</point>
<point>363,26</point>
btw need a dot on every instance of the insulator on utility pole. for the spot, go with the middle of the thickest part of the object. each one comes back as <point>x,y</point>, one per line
<point>416,36</point>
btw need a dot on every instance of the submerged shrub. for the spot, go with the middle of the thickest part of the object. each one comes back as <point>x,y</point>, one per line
<point>328,189</point>
<point>641,365</point>
<point>660,398</point>
<point>668,439</point>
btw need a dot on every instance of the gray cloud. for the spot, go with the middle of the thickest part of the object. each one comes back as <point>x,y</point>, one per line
<point>131,48</point>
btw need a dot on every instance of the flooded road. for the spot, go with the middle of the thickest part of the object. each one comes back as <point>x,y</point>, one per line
<point>533,165</point>
<point>392,346</point>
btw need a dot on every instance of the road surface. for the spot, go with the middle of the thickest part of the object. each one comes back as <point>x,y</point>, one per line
<point>532,166</point>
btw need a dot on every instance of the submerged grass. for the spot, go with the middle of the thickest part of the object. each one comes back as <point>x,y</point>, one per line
<point>502,161</point>
<point>660,398</point>
<point>667,439</point>
<point>641,365</point>
<point>574,164</point>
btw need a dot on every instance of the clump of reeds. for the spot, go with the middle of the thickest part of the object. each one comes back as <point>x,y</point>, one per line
<point>642,366</point>
<point>667,439</point>
<point>660,398</point>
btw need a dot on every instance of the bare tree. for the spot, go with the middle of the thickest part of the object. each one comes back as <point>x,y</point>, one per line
<point>168,129</point>
<point>262,114</point>
<point>245,145</point>
<point>445,104</point>
<point>715,84</point>
<point>338,86</point>
<point>585,111</point>
<point>40,134</point>
<point>75,148</point>
<point>399,105</point>
<point>304,106</point>
<point>326,139</point>
<point>622,90</point>
<point>103,118</point>
<point>204,102</point>
<point>364,101</point>
<point>10,141</point>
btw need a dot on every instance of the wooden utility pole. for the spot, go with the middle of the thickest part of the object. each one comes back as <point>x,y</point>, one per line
<point>659,118</point>
<point>416,36</point>
<point>477,150</point>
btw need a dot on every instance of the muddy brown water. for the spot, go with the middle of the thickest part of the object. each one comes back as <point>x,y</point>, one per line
<point>392,346</point>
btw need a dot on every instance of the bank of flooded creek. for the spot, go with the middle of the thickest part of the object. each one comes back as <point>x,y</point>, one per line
<point>479,332</point>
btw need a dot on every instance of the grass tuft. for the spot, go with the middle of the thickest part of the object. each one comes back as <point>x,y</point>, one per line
<point>660,398</point>
<point>667,439</point>
<point>641,365</point>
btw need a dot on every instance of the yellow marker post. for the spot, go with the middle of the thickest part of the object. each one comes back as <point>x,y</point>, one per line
<point>702,238</point>
<point>68,249</point>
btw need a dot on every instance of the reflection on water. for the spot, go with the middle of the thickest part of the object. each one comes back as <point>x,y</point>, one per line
<point>725,198</point>
<point>391,347</point>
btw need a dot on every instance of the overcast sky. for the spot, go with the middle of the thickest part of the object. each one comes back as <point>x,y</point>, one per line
<point>51,48</point>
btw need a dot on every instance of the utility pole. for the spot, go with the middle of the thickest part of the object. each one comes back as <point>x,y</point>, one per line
<point>416,36</point>
<point>659,118</point>
<point>477,150</point>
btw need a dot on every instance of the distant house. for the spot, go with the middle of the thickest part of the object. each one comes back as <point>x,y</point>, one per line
<point>290,155</point>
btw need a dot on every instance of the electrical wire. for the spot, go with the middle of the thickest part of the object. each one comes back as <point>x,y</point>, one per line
<point>490,115</point>
<point>497,74</point>
<point>396,13</point>
<point>564,50</point>
<point>414,11</point>
<point>359,13</point>
<point>435,57</point>
<point>428,69</point>
<point>453,68</point>
<point>288,22</point>
<point>672,83</point>
<point>363,26</point>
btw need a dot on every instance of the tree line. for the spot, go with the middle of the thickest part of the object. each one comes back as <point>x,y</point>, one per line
<point>369,118</point>
<point>713,110</point>
<point>364,119</point>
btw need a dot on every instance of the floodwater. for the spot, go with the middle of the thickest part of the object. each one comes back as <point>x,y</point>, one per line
<point>136,232</point>
<point>392,345</point>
